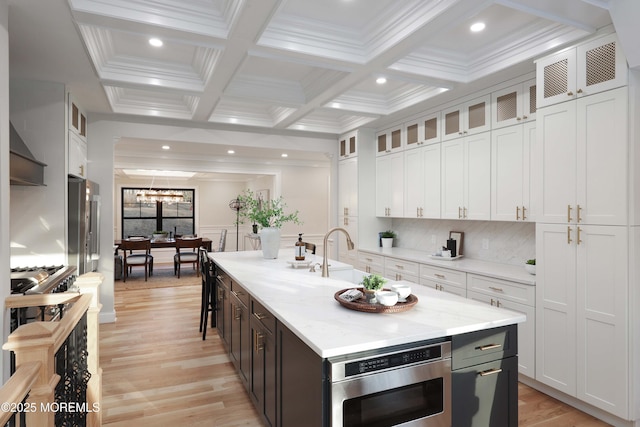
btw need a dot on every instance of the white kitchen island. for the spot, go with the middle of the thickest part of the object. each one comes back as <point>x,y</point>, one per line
<point>283,327</point>
<point>305,303</point>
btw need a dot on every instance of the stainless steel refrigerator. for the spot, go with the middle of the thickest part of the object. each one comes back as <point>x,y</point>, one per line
<point>83,225</point>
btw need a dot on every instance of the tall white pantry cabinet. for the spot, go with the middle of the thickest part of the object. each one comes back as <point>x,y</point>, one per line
<point>587,307</point>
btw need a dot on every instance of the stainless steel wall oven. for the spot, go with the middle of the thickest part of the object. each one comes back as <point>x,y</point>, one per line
<point>405,385</point>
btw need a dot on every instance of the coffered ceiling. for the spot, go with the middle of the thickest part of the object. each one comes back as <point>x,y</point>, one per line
<point>303,64</point>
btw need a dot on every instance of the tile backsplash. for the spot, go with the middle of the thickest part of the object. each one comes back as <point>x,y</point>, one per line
<point>495,241</point>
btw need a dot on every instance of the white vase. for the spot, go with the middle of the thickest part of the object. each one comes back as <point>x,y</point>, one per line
<point>270,241</point>
<point>387,242</point>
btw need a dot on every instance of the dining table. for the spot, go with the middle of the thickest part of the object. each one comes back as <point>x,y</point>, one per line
<point>165,243</point>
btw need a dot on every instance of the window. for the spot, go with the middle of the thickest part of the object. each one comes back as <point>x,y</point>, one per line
<point>143,218</point>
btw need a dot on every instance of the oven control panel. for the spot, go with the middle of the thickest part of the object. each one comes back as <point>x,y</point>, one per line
<point>381,361</point>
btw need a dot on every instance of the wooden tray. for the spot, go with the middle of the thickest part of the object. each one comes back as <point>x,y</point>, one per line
<point>362,305</point>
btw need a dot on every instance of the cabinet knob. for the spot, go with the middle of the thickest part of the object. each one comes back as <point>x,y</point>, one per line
<point>517,213</point>
<point>579,91</point>
<point>569,93</point>
<point>569,236</point>
<point>569,208</point>
<point>524,215</point>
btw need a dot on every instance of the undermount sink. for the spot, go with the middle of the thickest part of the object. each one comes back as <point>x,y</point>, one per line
<point>351,275</point>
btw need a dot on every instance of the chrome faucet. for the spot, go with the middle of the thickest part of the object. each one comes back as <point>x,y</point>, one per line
<point>325,249</point>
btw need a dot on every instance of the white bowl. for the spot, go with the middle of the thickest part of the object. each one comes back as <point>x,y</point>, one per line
<point>387,298</point>
<point>531,269</point>
<point>403,291</point>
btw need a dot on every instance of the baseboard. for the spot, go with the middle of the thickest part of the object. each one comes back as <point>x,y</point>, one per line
<point>108,317</point>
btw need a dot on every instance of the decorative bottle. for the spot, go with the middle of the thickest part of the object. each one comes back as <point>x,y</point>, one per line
<point>300,248</point>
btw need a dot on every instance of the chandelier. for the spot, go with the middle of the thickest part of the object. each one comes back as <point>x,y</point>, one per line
<point>165,196</point>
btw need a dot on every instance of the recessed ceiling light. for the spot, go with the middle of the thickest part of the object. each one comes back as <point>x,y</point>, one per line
<point>166,147</point>
<point>284,155</point>
<point>478,26</point>
<point>230,152</point>
<point>381,80</point>
<point>155,42</point>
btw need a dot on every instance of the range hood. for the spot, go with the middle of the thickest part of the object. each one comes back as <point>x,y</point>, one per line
<point>24,168</point>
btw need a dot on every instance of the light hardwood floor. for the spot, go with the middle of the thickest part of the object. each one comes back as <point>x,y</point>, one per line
<point>157,371</point>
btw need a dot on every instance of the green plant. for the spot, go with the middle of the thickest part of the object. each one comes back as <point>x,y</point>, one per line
<point>160,232</point>
<point>389,234</point>
<point>531,261</point>
<point>265,213</point>
<point>373,282</point>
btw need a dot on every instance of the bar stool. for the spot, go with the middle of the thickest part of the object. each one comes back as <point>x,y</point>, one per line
<point>208,302</point>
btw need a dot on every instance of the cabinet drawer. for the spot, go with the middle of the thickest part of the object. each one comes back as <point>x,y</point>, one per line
<point>483,346</point>
<point>222,277</point>
<point>439,285</point>
<point>371,263</point>
<point>260,313</point>
<point>516,292</point>
<point>443,275</point>
<point>397,269</point>
<point>240,293</point>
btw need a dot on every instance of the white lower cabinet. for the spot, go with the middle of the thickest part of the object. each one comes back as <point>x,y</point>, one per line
<point>445,280</point>
<point>399,269</point>
<point>513,296</point>
<point>349,223</point>
<point>371,263</point>
<point>582,313</point>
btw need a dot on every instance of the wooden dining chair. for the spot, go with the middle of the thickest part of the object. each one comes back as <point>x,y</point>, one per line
<point>136,253</point>
<point>187,253</point>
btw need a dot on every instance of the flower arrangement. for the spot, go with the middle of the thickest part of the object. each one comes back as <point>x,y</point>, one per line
<point>265,213</point>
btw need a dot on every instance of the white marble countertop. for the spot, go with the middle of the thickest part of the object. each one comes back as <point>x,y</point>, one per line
<point>304,302</point>
<point>514,273</point>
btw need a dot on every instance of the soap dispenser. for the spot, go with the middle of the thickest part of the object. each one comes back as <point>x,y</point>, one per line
<point>300,248</point>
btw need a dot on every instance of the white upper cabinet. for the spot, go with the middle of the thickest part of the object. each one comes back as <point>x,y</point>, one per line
<point>422,131</point>
<point>77,139</point>
<point>466,177</point>
<point>512,159</point>
<point>422,182</point>
<point>595,66</point>
<point>77,119</point>
<point>348,145</point>
<point>513,105</point>
<point>389,140</point>
<point>348,187</point>
<point>468,118</point>
<point>390,185</point>
<point>582,153</point>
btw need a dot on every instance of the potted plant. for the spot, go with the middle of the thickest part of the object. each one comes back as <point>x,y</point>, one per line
<point>270,216</point>
<point>530,266</point>
<point>387,238</point>
<point>371,284</point>
<point>160,235</point>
